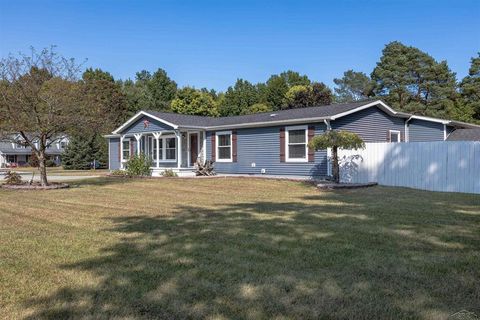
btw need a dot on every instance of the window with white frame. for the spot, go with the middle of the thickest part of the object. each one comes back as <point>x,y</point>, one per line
<point>170,149</point>
<point>126,149</point>
<point>20,145</point>
<point>394,135</point>
<point>224,146</point>
<point>296,141</point>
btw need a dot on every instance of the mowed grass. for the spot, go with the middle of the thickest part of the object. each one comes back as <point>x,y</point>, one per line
<point>237,248</point>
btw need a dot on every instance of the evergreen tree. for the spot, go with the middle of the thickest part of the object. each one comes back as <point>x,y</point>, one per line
<point>353,86</point>
<point>411,80</point>
<point>238,98</point>
<point>81,152</point>
<point>470,88</point>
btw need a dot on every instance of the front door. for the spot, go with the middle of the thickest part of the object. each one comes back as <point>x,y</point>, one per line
<point>193,148</point>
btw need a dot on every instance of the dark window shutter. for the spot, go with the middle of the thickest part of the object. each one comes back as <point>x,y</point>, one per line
<point>388,136</point>
<point>282,144</point>
<point>402,136</point>
<point>311,151</point>
<point>131,148</point>
<point>234,145</point>
<point>119,151</point>
<point>214,146</point>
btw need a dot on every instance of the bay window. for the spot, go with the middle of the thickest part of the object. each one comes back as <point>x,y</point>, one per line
<point>296,144</point>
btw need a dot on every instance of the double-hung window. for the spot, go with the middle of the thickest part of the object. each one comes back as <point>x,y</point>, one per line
<point>126,149</point>
<point>170,149</point>
<point>224,146</point>
<point>296,144</point>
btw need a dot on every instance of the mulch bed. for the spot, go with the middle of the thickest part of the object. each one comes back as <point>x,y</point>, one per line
<point>35,186</point>
<point>332,185</point>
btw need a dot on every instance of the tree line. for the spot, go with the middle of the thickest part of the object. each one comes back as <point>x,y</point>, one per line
<point>407,78</point>
<point>44,95</point>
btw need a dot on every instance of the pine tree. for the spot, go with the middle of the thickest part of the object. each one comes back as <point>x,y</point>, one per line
<point>81,152</point>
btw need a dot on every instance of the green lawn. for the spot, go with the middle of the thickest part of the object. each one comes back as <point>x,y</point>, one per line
<point>237,248</point>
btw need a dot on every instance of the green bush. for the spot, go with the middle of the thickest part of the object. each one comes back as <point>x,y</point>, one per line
<point>120,173</point>
<point>169,173</point>
<point>12,178</point>
<point>139,165</point>
<point>50,163</point>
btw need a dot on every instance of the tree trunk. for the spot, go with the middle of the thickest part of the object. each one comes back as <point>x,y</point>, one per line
<point>335,169</point>
<point>42,168</point>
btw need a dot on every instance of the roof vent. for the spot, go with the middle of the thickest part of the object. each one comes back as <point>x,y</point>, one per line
<point>273,115</point>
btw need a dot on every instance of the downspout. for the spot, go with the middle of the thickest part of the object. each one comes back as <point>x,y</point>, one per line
<point>327,123</point>
<point>407,131</point>
<point>329,150</point>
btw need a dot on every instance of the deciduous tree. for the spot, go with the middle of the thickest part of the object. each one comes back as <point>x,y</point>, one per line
<point>40,100</point>
<point>191,101</point>
<point>336,139</point>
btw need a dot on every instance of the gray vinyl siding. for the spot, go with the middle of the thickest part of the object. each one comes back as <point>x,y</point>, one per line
<point>421,130</point>
<point>139,126</point>
<point>114,151</point>
<point>262,147</point>
<point>371,124</point>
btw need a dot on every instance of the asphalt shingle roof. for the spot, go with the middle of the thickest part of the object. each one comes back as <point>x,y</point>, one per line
<point>291,114</point>
<point>464,135</point>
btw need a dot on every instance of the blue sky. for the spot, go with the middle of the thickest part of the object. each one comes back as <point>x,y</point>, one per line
<point>212,43</point>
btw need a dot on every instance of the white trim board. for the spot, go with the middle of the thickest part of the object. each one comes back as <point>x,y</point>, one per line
<point>137,116</point>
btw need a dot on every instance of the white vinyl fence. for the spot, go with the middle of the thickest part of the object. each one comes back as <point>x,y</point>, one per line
<point>452,166</point>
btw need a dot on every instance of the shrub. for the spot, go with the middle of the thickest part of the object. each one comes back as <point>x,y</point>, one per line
<point>169,173</point>
<point>139,165</point>
<point>12,178</point>
<point>50,163</point>
<point>119,173</point>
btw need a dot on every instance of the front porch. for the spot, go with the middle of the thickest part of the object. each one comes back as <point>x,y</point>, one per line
<point>176,150</point>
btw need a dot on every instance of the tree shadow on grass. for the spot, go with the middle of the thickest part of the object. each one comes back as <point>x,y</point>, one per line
<point>338,258</point>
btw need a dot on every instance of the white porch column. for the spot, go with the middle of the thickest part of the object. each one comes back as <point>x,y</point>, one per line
<point>157,135</point>
<point>204,146</point>
<point>138,136</point>
<point>179,149</point>
<point>121,151</point>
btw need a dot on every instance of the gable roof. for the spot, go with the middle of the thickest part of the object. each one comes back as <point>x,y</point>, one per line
<point>290,116</point>
<point>464,135</point>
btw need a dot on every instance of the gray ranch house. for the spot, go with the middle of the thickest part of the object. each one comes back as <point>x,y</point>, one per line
<point>273,143</point>
<point>15,154</point>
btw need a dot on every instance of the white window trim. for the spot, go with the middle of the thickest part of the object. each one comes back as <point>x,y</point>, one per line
<point>395,132</point>
<point>129,150</point>
<point>287,138</point>
<point>221,133</point>
<point>163,154</point>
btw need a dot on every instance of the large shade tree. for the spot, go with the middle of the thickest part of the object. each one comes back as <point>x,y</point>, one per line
<point>42,100</point>
<point>336,139</point>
